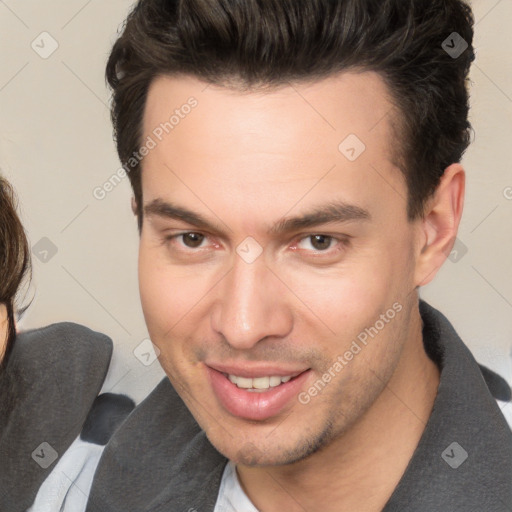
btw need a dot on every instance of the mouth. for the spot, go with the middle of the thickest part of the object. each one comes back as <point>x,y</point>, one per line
<point>259,384</point>
<point>257,397</point>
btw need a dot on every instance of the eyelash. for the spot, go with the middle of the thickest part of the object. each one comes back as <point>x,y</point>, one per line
<point>342,242</point>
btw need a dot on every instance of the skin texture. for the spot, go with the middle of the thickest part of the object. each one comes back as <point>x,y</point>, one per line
<point>245,161</point>
<point>3,330</point>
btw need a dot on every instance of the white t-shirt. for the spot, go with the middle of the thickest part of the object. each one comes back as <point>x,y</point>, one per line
<point>231,497</point>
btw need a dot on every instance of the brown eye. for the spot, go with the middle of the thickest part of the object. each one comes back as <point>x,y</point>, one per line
<point>320,242</point>
<point>192,240</point>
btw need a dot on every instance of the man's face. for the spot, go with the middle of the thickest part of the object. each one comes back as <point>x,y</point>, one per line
<point>245,163</point>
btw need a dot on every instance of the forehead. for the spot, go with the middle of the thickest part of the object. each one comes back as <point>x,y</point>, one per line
<point>333,134</point>
<point>335,106</point>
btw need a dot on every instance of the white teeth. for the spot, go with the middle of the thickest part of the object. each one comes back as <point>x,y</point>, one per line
<point>261,382</point>
<point>258,383</point>
<point>242,382</point>
<point>274,381</point>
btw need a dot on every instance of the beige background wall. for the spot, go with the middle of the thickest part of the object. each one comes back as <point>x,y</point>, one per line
<point>56,148</point>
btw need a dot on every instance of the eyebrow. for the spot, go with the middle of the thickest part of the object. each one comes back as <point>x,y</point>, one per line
<point>332,212</point>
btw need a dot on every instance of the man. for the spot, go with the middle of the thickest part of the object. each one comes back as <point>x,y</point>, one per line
<point>296,178</point>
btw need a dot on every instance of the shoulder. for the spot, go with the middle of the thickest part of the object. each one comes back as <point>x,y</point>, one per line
<point>60,364</point>
<point>62,344</point>
<point>63,364</point>
<point>47,391</point>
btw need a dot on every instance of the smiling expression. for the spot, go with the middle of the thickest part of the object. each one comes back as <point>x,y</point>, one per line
<point>266,249</point>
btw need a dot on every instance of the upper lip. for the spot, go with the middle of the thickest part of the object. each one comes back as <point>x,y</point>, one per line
<point>253,370</point>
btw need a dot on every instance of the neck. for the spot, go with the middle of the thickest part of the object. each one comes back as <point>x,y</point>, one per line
<point>361,468</point>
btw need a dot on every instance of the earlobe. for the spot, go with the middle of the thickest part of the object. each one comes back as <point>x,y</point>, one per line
<point>440,224</point>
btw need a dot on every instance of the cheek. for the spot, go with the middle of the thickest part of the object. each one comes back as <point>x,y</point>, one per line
<point>346,299</point>
<point>173,298</point>
<point>165,302</point>
<point>344,305</point>
<point>3,340</point>
<point>4,327</point>
<point>163,297</point>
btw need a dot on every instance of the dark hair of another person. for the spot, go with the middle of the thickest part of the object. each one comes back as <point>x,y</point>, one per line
<point>251,44</point>
<point>14,260</point>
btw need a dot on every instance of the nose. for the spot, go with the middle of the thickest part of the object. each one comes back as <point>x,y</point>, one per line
<point>251,305</point>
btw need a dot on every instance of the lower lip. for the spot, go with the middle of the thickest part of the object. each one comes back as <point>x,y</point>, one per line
<point>254,405</point>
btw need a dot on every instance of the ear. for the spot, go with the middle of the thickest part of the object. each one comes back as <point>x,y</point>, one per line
<point>134,206</point>
<point>440,224</point>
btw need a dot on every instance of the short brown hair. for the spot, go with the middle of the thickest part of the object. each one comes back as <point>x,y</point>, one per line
<point>15,262</point>
<point>255,43</point>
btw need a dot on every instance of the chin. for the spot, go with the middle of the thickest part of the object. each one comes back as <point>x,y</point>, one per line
<point>278,450</point>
